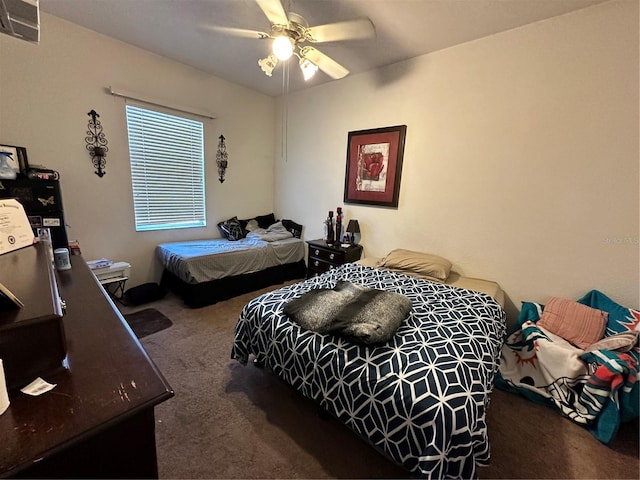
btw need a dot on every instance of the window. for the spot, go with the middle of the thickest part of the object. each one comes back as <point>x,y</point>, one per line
<point>167,170</point>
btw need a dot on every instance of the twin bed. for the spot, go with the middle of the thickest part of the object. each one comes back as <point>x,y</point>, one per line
<point>420,397</point>
<point>203,272</point>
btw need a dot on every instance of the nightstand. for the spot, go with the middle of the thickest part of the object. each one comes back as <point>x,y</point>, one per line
<point>323,257</point>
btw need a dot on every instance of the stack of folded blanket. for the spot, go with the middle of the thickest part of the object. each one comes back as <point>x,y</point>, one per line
<point>364,315</point>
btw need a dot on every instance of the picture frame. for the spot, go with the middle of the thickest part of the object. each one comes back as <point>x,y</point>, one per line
<point>374,166</point>
<point>18,159</point>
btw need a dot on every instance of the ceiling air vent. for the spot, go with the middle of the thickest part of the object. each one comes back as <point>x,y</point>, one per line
<point>21,19</point>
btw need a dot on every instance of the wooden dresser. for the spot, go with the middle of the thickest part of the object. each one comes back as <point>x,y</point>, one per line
<point>323,257</point>
<point>99,420</point>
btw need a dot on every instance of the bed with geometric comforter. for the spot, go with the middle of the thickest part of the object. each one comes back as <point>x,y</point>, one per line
<point>420,398</point>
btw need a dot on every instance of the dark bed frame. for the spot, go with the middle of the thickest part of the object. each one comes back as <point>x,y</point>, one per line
<point>197,295</point>
<point>201,294</point>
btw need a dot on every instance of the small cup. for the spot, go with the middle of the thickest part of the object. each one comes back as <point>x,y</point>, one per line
<point>61,258</point>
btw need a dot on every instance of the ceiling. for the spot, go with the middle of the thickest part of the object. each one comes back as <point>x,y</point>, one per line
<point>189,30</point>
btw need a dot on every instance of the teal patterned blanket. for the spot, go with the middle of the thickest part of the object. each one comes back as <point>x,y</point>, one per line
<point>597,389</point>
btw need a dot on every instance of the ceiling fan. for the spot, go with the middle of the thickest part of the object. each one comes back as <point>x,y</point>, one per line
<point>290,33</point>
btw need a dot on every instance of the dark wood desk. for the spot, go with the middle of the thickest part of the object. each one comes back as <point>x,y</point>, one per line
<point>99,421</point>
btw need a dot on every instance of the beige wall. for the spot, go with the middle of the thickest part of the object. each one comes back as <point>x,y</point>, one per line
<point>46,91</point>
<point>521,162</point>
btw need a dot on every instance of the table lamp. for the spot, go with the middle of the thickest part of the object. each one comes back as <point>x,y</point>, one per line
<point>352,229</point>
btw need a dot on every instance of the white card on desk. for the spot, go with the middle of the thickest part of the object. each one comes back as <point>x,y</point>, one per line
<point>38,387</point>
<point>15,229</point>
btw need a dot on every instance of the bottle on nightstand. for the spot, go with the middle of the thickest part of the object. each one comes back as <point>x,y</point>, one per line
<point>329,232</point>
<point>338,233</point>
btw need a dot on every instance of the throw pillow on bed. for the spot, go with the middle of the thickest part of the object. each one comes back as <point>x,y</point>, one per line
<point>231,229</point>
<point>265,221</point>
<point>251,225</point>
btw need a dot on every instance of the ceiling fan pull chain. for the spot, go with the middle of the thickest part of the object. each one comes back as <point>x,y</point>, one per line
<point>284,125</point>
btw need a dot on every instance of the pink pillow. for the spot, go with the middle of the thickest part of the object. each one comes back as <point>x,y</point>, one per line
<point>576,323</point>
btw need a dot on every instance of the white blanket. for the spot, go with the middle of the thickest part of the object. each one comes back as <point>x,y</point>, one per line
<point>537,360</point>
<point>274,233</point>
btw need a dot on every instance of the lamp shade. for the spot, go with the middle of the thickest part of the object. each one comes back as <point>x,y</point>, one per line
<point>268,64</point>
<point>308,68</point>
<point>353,227</point>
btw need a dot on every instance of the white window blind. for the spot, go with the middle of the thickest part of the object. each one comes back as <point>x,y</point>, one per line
<point>167,170</point>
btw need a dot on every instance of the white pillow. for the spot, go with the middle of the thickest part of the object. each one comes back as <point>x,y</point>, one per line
<point>252,225</point>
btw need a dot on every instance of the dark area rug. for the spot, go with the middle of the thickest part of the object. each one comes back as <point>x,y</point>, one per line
<point>147,321</point>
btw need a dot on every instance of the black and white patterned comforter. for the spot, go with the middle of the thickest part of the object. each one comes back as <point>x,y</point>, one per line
<point>419,398</point>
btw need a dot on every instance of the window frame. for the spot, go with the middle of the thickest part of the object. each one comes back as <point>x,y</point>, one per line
<point>159,202</point>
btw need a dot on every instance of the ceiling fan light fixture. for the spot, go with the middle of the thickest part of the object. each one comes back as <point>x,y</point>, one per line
<point>282,47</point>
<point>267,64</point>
<point>308,68</point>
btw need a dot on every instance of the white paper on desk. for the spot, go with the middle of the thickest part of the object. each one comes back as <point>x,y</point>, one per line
<point>15,229</point>
<point>4,395</point>
<point>38,387</point>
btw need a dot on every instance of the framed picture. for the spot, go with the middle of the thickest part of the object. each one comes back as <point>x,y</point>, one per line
<point>17,158</point>
<point>374,166</point>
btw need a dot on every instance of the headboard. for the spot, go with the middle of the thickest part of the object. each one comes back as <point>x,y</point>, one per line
<point>293,227</point>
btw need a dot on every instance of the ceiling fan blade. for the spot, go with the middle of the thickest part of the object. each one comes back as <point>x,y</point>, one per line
<point>274,11</point>
<point>235,32</point>
<point>325,63</point>
<point>360,28</point>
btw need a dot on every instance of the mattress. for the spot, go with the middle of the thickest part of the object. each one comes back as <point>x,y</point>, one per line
<point>201,261</point>
<point>456,280</point>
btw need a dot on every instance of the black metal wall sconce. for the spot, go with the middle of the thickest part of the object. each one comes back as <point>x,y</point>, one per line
<point>222,158</point>
<point>97,144</point>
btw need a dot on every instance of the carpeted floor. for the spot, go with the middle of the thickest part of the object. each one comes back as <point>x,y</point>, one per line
<point>231,421</point>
